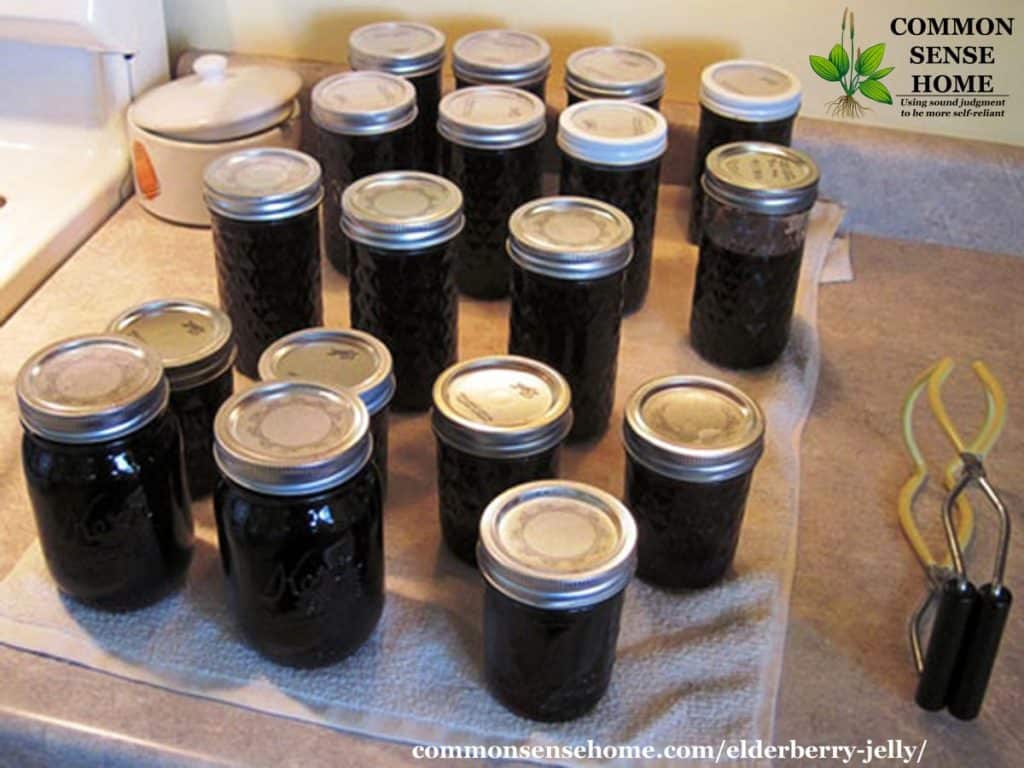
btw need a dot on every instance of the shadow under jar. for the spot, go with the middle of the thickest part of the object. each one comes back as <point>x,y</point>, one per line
<point>299,521</point>
<point>264,206</point>
<point>345,359</point>
<point>415,52</point>
<point>691,447</point>
<point>569,257</point>
<point>502,57</point>
<point>195,345</point>
<point>611,151</point>
<point>615,72</point>
<point>103,463</point>
<point>402,290</point>
<point>758,199</point>
<point>492,149</point>
<point>499,421</point>
<point>556,557</point>
<point>366,123</point>
<point>740,100</point>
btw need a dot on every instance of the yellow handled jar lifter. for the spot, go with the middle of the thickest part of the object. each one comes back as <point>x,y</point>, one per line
<point>969,621</point>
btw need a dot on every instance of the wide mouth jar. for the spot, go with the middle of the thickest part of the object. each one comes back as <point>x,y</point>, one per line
<point>761,177</point>
<point>502,56</point>
<point>611,132</point>
<point>403,48</point>
<point>264,184</point>
<point>363,103</point>
<point>615,72</point>
<point>492,117</point>
<point>750,91</point>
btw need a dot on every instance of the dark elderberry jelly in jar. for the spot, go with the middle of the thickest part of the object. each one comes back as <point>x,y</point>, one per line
<point>758,199</point>
<point>691,447</point>
<point>615,72</point>
<point>740,101</point>
<point>502,57</point>
<point>493,151</point>
<point>102,457</point>
<point>366,123</point>
<point>499,421</point>
<point>569,258</point>
<point>194,342</point>
<point>346,359</point>
<point>402,290</point>
<point>264,207</point>
<point>299,520</point>
<point>556,557</point>
<point>611,151</point>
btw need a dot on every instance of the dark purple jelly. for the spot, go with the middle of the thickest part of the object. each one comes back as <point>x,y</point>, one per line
<point>538,88</point>
<point>428,95</point>
<point>196,409</point>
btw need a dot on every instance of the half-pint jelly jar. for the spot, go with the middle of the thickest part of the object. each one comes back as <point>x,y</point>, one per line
<point>264,206</point>
<point>366,123</point>
<point>569,258</point>
<point>299,520</point>
<point>102,457</point>
<point>691,447</point>
<point>402,287</point>
<point>499,421</point>
<point>740,100</point>
<point>556,557</point>
<point>758,199</point>
<point>502,57</point>
<point>615,72</point>
<point>493,151</point>
<point>611,151</point>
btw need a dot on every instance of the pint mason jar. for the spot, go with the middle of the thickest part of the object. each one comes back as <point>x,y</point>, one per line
<point>502,57</point>
<point>615,72</point>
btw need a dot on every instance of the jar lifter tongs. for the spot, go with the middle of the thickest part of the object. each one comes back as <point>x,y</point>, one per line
<point>955,670</point>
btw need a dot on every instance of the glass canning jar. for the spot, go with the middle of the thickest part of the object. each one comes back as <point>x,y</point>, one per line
<point>502,57</point>
<point>615,72</point>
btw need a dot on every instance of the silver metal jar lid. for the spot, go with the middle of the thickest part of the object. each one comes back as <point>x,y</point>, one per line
<point>572,238</point>
<point>502,407</point>
<point>402,210</point>
<point>363,103</point>
<point>615,72</point>
<point>346,359</point>
<point>750,91</point>
<point>291,438</point>
<point>761,177</point>
<point>91,389</point>
<point>399,47</point>
<point>192,338</point>
<point>262,184</point>
<point>501,56</point>
<point>492,117</point>
<point>693,428</point>
<point>557,545</point>
<point>612,132</point>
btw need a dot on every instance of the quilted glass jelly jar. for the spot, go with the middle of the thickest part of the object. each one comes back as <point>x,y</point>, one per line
<point>615,72</point>
<point>366,123</point>
<point>102,457</point>
<point>415,52</point>
<point>758,199</point>
<point>264,206</point>
<point>691,447</point>
<point>740,101</point>
<point>556,557</point>
<point>402,289</point>
<point>502,57</point>
<point>499,421</point>
<point>195,345</point>
<point>569,257</point>
<point>611,151</point>
<point>492,149</point>
<point>346,359</point>
<point>299,520</point>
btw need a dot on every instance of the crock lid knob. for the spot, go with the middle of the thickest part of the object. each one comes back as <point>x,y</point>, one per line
<point>210,66</point>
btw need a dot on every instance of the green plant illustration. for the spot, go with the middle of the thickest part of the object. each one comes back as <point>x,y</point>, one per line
<point>864,77</point>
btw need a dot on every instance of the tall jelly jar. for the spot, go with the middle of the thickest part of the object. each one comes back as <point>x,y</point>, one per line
<point>502,57</point>
<point>413,51</point>
<point>299,521</point>
<point>103,463</point>
<point>492,149</point>
<point>366,123</point>
<point>615,72</point>
<point>402,290</point>
<point>499,421</point>
<point>611,151</point>
<point>740,100</point>
<point>569,257</point>
<point>265,211</point>
<point>196,347</point>
<point>758,199</point>
<point>556,557</point>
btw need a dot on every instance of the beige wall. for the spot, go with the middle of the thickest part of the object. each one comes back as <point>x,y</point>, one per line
<point>688,34</point>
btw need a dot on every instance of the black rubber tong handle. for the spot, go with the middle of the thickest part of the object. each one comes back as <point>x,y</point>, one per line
<point>978,652</point>
<point>956,603</point>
